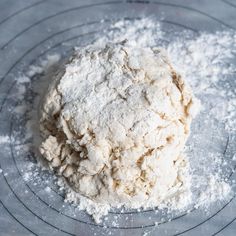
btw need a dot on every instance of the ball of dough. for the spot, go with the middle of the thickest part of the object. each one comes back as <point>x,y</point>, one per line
<point>115,121</point>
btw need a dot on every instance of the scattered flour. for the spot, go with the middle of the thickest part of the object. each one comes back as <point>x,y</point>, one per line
<point>217,189</point>
<point>44,65</point>
<point>205,59</point>
<point>47,189</point>
<point>234,157</point>
<point>4,139</point>
<point>27,176</point>
<point>23,79</point>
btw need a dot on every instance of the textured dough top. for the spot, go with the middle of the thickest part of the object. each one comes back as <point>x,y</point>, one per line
<point>122,116</point>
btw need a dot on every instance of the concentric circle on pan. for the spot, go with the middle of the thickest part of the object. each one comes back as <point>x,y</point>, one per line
<point>13,181</point>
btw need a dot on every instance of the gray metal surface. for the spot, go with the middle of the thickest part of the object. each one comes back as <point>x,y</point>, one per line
<point>29,30</point>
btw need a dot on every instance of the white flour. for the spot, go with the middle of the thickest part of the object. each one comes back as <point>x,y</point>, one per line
<point>205,59</point>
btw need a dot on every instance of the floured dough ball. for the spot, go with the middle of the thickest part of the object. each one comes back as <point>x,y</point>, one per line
<point>115,121</point>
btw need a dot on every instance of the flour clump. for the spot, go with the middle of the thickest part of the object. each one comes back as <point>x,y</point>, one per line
<point>115,121</point>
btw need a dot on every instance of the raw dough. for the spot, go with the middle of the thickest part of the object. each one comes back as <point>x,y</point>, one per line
<point>115,121</point>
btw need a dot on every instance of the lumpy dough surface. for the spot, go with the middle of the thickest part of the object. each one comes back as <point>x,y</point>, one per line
<point>114,123</point>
